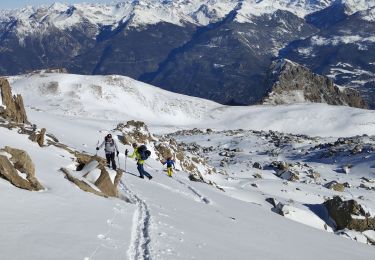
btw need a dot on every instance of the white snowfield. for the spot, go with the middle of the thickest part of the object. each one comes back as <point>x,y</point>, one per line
<point>119,98</point>
<point>170,218</point>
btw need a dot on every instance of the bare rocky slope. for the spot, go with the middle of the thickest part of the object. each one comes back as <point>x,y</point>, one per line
<point>289,82</point>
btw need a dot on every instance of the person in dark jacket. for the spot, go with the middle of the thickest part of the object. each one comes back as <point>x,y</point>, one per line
<point>110,148</point>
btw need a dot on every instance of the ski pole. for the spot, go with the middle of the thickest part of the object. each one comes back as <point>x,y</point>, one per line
<point>126,157</point>
<point>97,145</point>
<point>118,161</point>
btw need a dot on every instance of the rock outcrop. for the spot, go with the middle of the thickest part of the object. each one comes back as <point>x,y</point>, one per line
<point>19,162</point>
<point>38,137</point>
<point>349,214</point>
<point>105,184</point>
<point>11,107</point>
<point>84,178</point>
<point>334,185</point>
<point>134,132</point>
<point>289,82</point>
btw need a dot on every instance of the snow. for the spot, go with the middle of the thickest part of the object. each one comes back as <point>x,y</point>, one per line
<point>369,15</point>
<point>286,97</point>
<point>358,5</point>
<point>336,40</point>
<point>370,234</point>
<point>301,8</point>
<point>115,98</point>
<point>171,218</point>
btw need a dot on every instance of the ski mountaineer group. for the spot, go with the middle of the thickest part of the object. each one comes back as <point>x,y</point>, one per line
<point>140,154</point>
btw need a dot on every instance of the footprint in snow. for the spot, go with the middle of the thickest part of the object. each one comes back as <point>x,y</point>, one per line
<point>119,210</point>
<point>110,223</point>
<point>103,237</point>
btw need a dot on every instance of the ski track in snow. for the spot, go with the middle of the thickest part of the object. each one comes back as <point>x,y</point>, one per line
<point>197,193</point>
<point>140,241</point>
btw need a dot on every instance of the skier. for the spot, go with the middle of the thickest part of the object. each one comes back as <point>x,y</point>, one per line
<point>170,164</point>
<point>110,147</point>
<point>137,155</point>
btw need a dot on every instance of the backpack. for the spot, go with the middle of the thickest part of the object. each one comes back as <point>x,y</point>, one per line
<point>143,152</point>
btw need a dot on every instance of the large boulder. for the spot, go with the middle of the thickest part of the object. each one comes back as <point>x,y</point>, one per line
<point>20,162</point>
<point>87,178</point>
<point>349,214</point>
<point>105,184</point>
<point>12,107</point>
<point>334,185</point>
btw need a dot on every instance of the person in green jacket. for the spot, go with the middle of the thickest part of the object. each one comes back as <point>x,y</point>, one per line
<point>140,162</point>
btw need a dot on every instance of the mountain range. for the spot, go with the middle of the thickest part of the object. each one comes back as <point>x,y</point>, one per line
<point>214,49</point>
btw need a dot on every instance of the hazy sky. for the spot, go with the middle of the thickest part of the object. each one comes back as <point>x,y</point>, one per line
<point>10,4</point>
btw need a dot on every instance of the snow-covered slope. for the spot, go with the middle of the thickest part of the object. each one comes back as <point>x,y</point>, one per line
<point>168,220</point>
<point>174,218</point>
<point>118,98</point>
<point>108,97</point>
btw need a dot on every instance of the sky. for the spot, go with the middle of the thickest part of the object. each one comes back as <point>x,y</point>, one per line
<point>10,4</point>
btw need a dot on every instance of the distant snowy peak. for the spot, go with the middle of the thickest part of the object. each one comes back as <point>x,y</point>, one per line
<point>179,12</point>
<point>353,6</point>
<point>141,13</point>
<point>301,8</point>
<point>368,15</point>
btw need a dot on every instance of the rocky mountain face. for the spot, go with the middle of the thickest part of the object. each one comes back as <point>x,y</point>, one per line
<point>289,82</point>
<point>343,49</point>
<point>220,50</point>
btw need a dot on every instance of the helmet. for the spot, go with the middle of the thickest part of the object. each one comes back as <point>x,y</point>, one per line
<point>134,145</point>
<point>109,136</point>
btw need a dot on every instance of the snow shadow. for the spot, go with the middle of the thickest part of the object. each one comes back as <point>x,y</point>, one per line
<point>321,211</point>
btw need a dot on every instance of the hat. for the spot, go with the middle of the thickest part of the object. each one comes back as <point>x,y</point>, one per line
<point>134,145</point>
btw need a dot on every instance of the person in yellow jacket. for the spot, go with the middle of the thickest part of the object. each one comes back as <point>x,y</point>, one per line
<point>140,162</point>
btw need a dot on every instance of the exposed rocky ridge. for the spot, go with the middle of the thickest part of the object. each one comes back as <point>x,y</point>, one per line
<point>12,106</point>
<point>13,162</point>
<point>289,82</point>
<point>342,49</point>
